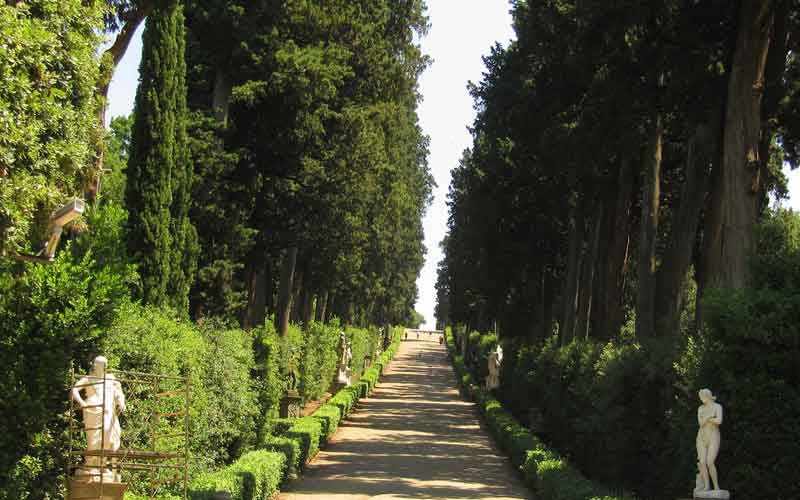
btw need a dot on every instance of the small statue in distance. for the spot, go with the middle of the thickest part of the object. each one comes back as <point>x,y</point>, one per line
<point>344,376</point>
<point>495,361</point>
<point>709,418</point>
<point>100,416</point>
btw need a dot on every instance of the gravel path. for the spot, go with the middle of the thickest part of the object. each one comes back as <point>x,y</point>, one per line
<point>414,438</point>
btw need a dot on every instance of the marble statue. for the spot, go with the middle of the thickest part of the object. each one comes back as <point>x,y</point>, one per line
<point>495,361</point>
<point>100,415</point>
<point>344,375</point>
<point>709,418</point>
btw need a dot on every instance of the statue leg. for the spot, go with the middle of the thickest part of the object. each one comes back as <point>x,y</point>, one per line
<point>713,450</point>
<point>701,458</point>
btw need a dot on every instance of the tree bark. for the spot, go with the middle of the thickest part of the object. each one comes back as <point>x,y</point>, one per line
<point>588,267</point>
<point>297,294</point>
<point>222,95</point>
<point>608,312</point>
<point>322,304</point>
<point>570,295</point>
<point>308,313</point>
<point>285,292</point>
<point>651,199</point>
<point>671,275</point>
<point>256,310</point>
<point>742,161</point>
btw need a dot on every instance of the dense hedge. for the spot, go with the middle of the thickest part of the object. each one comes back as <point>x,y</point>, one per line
<point>283,455</point>
<point>549,474</point>
<point>255,476</point>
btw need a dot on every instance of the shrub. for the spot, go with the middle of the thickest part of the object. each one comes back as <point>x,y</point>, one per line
<point>320,357</point>
<point>268,382</point>
<point>255,476</point>
<point>329,416</point>
<point>346,399</point>
<point>289,447</point>
<point>50,315</point>
<point>308,433</point>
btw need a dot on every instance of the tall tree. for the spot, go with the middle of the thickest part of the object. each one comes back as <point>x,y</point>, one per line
<point>161,237</point>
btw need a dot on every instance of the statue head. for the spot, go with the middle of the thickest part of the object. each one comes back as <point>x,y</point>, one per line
<point>99,365</point>
<point>706,396</point>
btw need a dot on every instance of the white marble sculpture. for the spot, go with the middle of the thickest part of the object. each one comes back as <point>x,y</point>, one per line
<point>495,362</point>
<point>709,418</point>
<point>344,375</point>
<point>100,416</point>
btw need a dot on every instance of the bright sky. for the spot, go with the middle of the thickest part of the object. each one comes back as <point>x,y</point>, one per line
<point>462,32</point>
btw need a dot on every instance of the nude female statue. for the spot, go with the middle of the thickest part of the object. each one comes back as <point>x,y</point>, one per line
<point>100,421</point>
<point>709,418</point>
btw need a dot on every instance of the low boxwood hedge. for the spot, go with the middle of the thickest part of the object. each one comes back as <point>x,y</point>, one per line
<point>255,476</point>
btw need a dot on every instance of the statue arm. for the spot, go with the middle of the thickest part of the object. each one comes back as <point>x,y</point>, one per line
<point>119,396</point>
<point>717,418</point>
<point>76,392</point>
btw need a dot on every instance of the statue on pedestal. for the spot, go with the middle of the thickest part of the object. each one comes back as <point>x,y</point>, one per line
<point>709,418</point>
<point>495,362</point>
<point>104,399</point>
<point>346,355</point>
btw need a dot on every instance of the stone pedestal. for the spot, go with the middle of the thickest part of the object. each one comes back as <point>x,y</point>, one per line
<point>291,405</point>
<point>95,490</point>
<point>718,494</point>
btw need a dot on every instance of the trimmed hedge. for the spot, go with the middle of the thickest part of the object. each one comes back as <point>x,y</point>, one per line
<point>289,447</point>
<point>255,476</point>
<point>548,474</point>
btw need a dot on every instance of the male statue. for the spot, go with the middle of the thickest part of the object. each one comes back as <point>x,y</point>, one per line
<point>100,418</point>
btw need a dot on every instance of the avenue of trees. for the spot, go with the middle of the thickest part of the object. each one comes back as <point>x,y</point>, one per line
<point>617,193</point>
<point>270,182</point>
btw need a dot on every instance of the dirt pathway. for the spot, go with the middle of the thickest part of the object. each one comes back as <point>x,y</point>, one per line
<point>414,438</point>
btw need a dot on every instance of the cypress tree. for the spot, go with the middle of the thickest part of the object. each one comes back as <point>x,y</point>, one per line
<point>161,238</point>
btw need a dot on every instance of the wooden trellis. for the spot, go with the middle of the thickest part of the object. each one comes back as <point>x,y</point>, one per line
<point>154,440</point>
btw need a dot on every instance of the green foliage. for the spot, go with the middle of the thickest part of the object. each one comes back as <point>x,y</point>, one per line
<point>217,362</point>
<point>115,159</point>
<point>548,474</point>
<point>319,359</point>
<point>748,357</point>
<point>48,124</point>
<point>255,476</point>
<point>363,343</point>
<point>330,416</point>
<point>289,447</point>
<point>307,431</point>
<point>161,238</point>
<point>50,316</point>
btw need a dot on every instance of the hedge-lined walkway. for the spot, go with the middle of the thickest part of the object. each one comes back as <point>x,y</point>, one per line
<point>414,438</point>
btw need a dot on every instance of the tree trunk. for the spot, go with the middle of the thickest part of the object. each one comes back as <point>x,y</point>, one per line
<point>285,292</point>
<point>651,198</point>
<point>308,302</point>
<point>322,304</point>
<point>256,278</point>
<point>297,295</point>
<point>741,140</point>
<point>570,295</point>
<point>671,275</point>
<point>608,312</point>
<point>222,95</point>
<point>588,265</point>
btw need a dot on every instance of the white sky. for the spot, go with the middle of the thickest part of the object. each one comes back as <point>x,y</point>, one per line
<point>462,32</point>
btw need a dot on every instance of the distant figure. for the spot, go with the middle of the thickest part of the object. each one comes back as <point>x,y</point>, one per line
<point>100,419</point>
<point>709,418</point>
